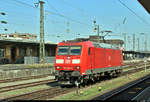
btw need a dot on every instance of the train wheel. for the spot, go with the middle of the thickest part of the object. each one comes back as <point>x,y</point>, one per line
<point>83,84</point>
<point>114,75</point>
<point>63,86</point>
<point>120,72</point>
<point>77,83</point>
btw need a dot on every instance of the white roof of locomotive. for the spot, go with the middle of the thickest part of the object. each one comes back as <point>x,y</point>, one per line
<point>104,45</point>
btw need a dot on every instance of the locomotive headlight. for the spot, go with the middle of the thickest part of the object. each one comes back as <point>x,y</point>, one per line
<point>59,60</point>
<point>75,61</point>
<point>58,67</point>
<point>77,67</point>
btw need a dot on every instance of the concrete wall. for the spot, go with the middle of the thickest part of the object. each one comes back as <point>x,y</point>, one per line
<point>7,73</point>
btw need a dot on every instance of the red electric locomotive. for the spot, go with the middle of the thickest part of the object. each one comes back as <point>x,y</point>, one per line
<point>79,62</point>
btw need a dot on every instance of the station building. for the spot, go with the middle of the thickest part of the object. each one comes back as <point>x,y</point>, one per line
<point>14,47</point>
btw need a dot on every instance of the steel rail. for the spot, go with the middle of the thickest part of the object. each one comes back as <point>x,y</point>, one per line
<point>24,78</point>
<point>135,98</point>
<point>126,88</point>
<point>11,98</point>
<point>25,85</point>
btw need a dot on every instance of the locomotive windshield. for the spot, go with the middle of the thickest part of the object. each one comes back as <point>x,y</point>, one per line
<point>75,50</point>
<point>63,50</point>
<point>69,50</point>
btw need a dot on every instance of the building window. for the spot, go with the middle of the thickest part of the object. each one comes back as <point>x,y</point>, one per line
<point>1,52</point>
<point>22,52</point>
<point>46,52</point>
<point>31,52</point>
<point>11,35</point>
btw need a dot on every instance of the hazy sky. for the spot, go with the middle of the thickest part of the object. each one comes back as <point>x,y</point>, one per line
<point>77,16</point>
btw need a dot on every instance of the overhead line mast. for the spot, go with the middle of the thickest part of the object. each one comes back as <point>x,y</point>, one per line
<point>42,42</point>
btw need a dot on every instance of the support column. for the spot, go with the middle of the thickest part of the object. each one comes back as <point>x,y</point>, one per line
<point>17,53</point>
<point>28,51</point>
<point>133,42</point>
<point>50,52</point>
<point>42,42</point>
<point>8,52</point>
<point>35,50</point>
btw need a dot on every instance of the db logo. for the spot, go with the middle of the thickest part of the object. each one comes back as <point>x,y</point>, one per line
<point>68,61</point>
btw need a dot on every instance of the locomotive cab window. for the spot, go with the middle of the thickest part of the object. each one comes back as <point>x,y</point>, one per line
<point>75,50</point>
<point>63,50</point>
<point>69,50</point>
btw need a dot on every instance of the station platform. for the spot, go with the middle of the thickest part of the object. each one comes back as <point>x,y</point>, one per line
<point>130,55</point>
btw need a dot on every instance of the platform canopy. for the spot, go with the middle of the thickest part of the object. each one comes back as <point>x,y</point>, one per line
<point>145,4</point>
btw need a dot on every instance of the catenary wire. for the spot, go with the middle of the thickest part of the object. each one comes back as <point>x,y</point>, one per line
<point>60,15</point>
<point>133,12</point>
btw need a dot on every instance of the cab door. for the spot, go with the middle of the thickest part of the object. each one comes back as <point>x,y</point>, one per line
<point>92,57</point>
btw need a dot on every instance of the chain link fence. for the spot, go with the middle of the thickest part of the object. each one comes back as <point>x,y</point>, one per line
<point>35,60</point>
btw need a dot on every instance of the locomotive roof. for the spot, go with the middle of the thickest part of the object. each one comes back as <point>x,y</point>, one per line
<point>95,44</point>
<point>104,45</point>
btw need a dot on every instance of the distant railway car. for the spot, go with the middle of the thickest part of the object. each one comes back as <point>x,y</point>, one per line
<point>79,62</point>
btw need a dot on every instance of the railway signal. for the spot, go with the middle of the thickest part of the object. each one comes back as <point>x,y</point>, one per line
<point>4,22</point>
<point>5,29</point>
<point>96,27</point>
<point>3,13</point>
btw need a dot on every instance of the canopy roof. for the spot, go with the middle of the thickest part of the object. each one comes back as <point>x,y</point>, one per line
<point>145,4</point>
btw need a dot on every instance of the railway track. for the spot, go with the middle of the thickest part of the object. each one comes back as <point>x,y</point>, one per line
<point>42,94</point>
<point>135,70</point>
<point>129,92</point>
<point>24,78</point>
<point>24,85</point>
<point>128,65</point>
<point>141,63</point>
<point>56,90</point>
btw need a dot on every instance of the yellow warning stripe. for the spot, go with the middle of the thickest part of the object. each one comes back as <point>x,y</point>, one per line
<point>131,92</point>
<point>148,82</point>
<point>138,88</point>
